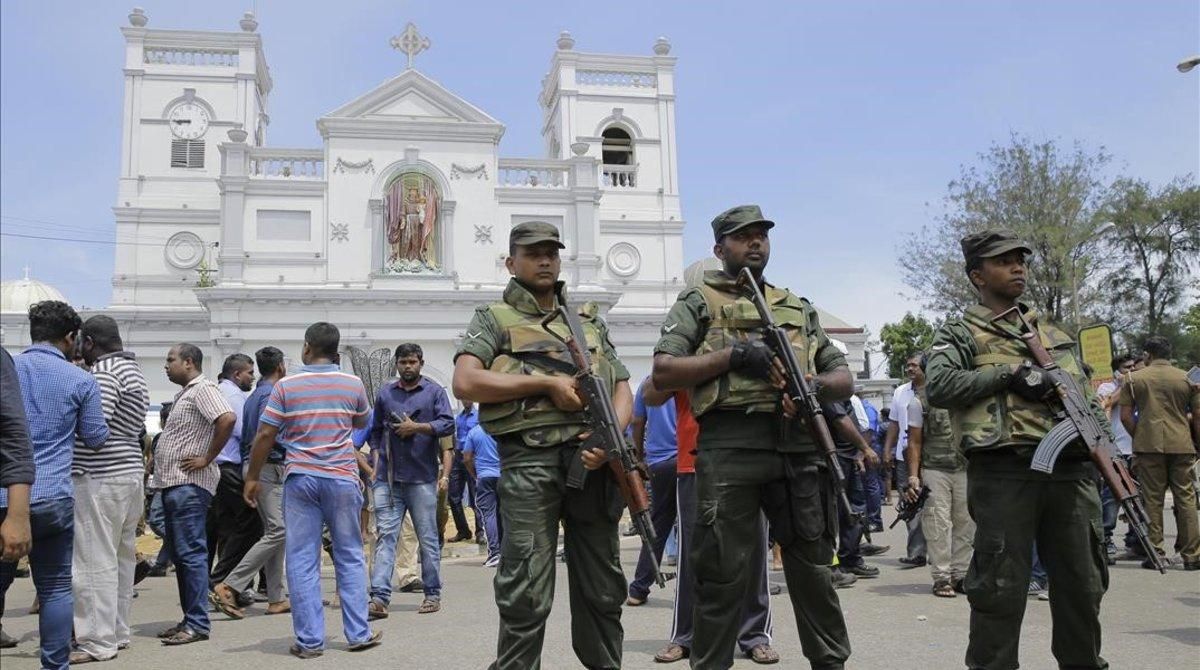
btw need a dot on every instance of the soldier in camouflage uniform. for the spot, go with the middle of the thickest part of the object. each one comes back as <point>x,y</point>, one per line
<point>978,370</point>
<point>521,378</point>
<point>753,453</point>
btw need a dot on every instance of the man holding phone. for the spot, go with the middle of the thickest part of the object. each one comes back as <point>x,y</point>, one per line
<point>411,413</point>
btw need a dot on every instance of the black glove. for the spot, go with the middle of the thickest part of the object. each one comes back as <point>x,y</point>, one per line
<point>752,357</point>
<point>1031,383</point>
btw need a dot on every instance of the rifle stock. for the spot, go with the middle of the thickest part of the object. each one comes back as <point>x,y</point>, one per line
<point>627,471</point>
<point>1101,450</point>
<point>798,389</point>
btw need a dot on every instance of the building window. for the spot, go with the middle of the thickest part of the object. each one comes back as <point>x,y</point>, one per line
<point>617,147</point>
<point>187,153</point>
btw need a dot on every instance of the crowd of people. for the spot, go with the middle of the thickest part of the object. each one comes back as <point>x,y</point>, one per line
<point>256,473</point>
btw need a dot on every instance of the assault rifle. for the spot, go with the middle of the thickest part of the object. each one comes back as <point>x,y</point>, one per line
<point>798,389</point>
<point>1078,423</point>
<point>907,510</point>
<point>606,433</point>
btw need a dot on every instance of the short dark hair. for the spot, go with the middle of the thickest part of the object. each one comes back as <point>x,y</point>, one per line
<point>1122,359</point>
<point>1088,370</point>
<point>52,320</point>
<point>323,338</point>
<point>190,352</point>
<point>233,362</point>
<point>1157,346</point>
<point>103,331</point>
<point>409,349</point>
<point>973,263</point>
<point>269,359</point>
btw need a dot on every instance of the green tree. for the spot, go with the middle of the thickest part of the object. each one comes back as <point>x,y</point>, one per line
<point>1048,195</point>
<point>1154,237</point>
<point>899,341</point>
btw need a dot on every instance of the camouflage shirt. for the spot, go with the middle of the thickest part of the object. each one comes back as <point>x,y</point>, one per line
<point>968,373</point>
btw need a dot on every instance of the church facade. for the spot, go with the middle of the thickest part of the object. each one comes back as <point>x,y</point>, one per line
<point>396,227</point>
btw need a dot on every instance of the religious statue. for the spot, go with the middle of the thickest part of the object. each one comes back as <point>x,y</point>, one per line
<point>412,207</point>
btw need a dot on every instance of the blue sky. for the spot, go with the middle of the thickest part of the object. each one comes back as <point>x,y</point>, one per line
<point>845,121</point>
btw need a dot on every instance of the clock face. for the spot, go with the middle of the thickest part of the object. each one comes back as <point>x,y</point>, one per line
<point>189,121</point>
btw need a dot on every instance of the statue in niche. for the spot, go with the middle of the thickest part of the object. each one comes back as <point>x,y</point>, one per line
<point>412,207</point>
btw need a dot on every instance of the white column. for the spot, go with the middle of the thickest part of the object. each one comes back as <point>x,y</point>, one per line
<point>235,168</point>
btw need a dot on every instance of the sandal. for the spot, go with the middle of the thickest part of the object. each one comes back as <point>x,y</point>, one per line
<point>281,607</point>
<point>184,636</point>
<point>373,641</point>
<point>429,606</point>
<point>225,602</point>
<point>376,610</point>
<point>304,654</point>
<point>943,589</point>
<point>78,657</point>
<point>672,653</point>
<point>634,601</point>
<point>763,654</point>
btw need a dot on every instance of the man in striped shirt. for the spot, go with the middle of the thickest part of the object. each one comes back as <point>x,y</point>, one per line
<point>197,428</point>
<point>312,414</point>
<point>61,402</point>
<point>108,498</point>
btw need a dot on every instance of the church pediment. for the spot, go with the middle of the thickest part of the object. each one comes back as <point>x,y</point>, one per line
<point>411,96</point>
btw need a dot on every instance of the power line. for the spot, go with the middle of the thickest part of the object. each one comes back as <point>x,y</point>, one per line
<point>75,239</point>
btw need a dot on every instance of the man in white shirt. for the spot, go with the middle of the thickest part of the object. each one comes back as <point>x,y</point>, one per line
<point>893,451</point>
<point>1122,365</point>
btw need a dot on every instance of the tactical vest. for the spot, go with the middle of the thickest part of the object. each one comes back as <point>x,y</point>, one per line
<point>525,348</point>
<point>733,319</point>
<point>1007,419</point>
<point>939,449</point>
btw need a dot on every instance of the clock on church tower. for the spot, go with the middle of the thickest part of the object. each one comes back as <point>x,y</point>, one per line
<point>189,121</point>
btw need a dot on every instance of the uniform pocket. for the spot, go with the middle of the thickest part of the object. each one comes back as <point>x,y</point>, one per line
<point>809,517</point>
<point>514,576</point>
<point>987,574</point>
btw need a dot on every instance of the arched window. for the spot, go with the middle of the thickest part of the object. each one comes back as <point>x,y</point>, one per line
<point>617,147</point>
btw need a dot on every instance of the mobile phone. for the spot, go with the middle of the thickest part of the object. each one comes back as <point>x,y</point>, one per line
<point>1194,374</point>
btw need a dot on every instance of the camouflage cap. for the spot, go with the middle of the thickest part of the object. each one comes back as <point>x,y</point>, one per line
<point>736,218</point>
<point>991,243</point>
<point>532,232</point>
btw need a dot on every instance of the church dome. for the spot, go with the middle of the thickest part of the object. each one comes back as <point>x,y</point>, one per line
<point>18,295</point>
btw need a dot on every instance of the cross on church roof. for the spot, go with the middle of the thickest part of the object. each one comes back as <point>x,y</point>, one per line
<point>410,42</point>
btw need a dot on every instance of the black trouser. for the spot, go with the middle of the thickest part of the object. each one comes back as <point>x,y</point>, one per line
<point>233,526</point>
<point>461,479</point>
<point>663,513</point>
<point>755,628</point>
<point>850,532</point>
<point>734,487</point>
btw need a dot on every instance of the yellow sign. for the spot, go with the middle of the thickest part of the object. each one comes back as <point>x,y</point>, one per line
<point>1096,349</point>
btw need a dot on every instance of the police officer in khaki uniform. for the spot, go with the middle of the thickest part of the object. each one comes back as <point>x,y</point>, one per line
<point>521,378</point>
<point>977,369</point>
<point>1164,449</point>
<point>753,453</point>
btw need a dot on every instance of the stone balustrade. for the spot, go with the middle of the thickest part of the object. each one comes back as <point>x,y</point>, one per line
<point>618,176</point>
<point>172,56</point>
<point>268,163</point>
<point>618,79</point>
<point>524,173</point>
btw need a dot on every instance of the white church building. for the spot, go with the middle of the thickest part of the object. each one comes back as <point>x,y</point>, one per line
<point>396,226</point>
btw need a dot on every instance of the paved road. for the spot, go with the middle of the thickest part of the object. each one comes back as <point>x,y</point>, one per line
<point>1150,621</point>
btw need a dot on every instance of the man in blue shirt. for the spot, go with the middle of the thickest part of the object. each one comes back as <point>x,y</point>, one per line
<point>654,436</point>
<point>267,553</point>
<point>874,476</point>
<point>232,526</point>
<point>411,413</point>
<point>467,419</point>
<point>61,402</point>
<point>482,461</point>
